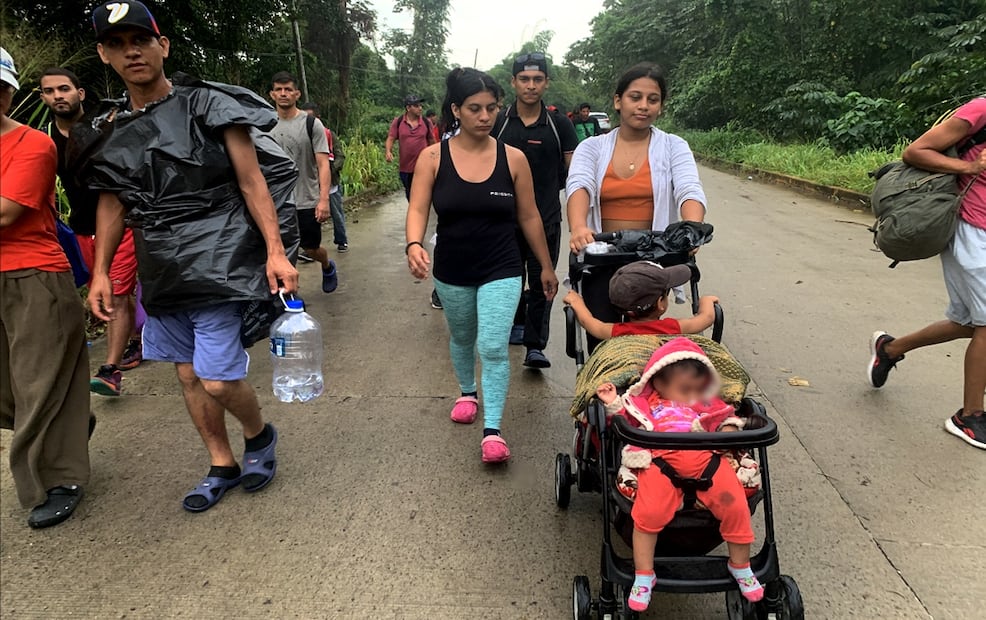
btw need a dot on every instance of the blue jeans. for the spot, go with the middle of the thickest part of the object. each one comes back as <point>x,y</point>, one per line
<point>338,218</point>
<point>406,178</point>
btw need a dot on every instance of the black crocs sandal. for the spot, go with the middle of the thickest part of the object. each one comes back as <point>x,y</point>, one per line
<point>60,505</point>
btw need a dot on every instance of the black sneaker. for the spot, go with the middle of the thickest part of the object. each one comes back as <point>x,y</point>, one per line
<point>330,278</point>
<point>535,358</point>
<point>880,362</point>
<point>436,301</point>
<point>107,381</point>
<point>342,248</point>
<point>133,355</point>
<point>970,429</point>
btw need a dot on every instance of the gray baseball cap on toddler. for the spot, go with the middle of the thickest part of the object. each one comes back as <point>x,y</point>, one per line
<point>639,285</point>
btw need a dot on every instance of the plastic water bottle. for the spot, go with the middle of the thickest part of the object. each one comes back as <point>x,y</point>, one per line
<point>296,353</point>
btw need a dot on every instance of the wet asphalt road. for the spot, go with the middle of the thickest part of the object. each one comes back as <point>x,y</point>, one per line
<point>382,509</point>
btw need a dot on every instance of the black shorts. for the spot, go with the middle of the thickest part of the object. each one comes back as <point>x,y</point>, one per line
<point>309,229</point>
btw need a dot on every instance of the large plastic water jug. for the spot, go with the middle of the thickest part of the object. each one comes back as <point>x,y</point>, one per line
<point>296,354</point>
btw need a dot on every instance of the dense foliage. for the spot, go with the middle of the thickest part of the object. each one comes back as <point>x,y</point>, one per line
<point>856,74</point>
<point>419,55</point>
<point>242,42</point>
<point>838,75</point>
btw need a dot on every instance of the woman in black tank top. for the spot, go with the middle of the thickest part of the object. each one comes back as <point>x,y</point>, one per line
<point>482,190</point>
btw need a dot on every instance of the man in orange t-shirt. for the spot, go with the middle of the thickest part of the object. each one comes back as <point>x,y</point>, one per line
<point>44,364</point>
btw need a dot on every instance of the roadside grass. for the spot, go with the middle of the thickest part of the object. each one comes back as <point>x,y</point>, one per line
<point>367,173</point>
<point>816,162</point>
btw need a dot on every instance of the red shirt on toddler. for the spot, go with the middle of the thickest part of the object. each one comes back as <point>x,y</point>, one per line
<point>659,327</point>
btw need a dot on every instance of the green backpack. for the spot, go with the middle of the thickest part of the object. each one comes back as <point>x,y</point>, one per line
<point>916,210</point>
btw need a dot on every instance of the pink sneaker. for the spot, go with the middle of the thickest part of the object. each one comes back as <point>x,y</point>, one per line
<point>465,410</point>
<point>495,449</point>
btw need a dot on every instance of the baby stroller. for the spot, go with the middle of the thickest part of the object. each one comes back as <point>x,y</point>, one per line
<point>681,563</point>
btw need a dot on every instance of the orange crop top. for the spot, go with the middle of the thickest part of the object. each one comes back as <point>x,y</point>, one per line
<point>627,199</point>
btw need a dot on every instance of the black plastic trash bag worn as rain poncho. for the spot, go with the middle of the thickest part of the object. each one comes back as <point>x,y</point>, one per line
<point>197,244</point>
<point>677,239</point>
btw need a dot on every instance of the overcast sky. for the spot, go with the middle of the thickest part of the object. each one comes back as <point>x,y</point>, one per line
<point>498,28</point>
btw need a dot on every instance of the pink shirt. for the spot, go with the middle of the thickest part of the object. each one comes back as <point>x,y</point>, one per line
<point>974,206</point>
<point>411,140</point>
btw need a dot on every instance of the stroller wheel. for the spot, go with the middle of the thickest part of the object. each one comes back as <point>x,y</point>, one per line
<point>788,604</point>
<point>563,480</point>
<point>584,480</point>
<point>738,608</point>
<point>581,598</point>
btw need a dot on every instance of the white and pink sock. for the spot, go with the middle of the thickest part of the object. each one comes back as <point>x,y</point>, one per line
<point>639,597</point>
<point>748,583</point>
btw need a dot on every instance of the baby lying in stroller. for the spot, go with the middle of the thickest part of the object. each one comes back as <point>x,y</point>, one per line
<point>677,393</point>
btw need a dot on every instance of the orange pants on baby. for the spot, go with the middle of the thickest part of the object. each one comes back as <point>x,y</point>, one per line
<point>658,499</point>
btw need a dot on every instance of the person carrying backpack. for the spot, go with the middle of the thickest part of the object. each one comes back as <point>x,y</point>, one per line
<point>547,138</point>
<point>413,132</point>
<point>303,139</point>
<point>337,159</point>
<point>963,266</point>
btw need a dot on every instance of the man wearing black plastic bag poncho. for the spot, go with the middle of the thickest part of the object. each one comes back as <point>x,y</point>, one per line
<point>208,197</point>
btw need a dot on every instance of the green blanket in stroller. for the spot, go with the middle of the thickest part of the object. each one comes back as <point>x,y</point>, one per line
<point>621,360</point>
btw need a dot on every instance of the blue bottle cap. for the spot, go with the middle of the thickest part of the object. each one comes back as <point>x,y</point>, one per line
<point>295,305</point>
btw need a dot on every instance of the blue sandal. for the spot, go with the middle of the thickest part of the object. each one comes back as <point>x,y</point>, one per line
<point>212,489</point>
<point>259,466</point>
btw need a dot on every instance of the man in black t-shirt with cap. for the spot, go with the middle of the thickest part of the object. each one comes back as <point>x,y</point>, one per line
<point>548,140</point>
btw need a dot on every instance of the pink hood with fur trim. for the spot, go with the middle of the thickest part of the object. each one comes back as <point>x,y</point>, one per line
<point>707,416</point>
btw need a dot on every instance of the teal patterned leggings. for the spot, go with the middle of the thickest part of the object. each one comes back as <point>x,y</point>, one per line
<point>479,319</point>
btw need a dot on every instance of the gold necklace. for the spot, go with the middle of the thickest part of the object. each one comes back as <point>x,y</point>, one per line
<point>633,160</point>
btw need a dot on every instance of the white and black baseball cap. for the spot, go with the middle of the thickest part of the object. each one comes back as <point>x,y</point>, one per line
<point>112,15</point>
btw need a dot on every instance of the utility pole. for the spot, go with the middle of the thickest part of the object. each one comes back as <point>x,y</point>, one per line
<point>299,51</point>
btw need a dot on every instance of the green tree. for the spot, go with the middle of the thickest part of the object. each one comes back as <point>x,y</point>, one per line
<point>565,90</point>
<point>953,74</point>
<point>214,40</point>
<point>419,55</point>
<point>333,32</point>
<point>732,60</point>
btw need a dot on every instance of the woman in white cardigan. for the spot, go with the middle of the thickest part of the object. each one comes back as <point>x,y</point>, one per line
<point>636,177</point>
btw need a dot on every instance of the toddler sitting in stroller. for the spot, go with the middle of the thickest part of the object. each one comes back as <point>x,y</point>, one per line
<point>677,393</point>
<point>641,290</point>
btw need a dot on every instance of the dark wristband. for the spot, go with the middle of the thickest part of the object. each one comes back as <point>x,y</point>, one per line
<point>407,247</point>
